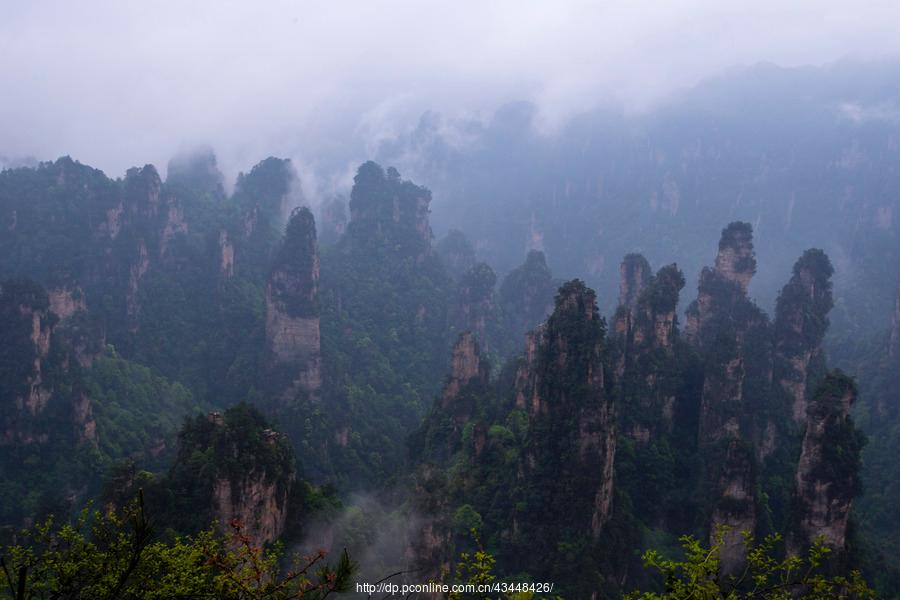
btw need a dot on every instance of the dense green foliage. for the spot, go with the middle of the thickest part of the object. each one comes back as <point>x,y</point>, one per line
<point>766,577</point>
<point>384,294</point>
<point>597,443</point>
<point>116,555</point>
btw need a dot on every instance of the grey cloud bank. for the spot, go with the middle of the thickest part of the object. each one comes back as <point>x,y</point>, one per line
<point>116,84</point>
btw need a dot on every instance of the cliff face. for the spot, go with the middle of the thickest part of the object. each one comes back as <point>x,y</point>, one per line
<point>457,252</point>
<point>801,320</point>
<point>384,206</point>
<point>259,505</point>
<point>645,334</point>
<point>723,288</point>
<point>827,477</point>
<point>528,459</point>
<point>466,366</point>
<point>561,385</point>
<point>734,506</point>
<point>526,295</point>
<point>152,217</point>
<point>292,304</point>
<point>634,274</point>
<point>430,545</point>
<point>154,212</point>
<point>226,255</point>
<point>733,337</point>
<point>40,384</point>
<point>476,309</point>
<point>246,474</point>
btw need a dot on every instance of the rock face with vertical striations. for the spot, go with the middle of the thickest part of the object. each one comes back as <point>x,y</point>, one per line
<point>733,337</point>
<point>572,417</point>
<point>42,386</point>
<point>466,365</point>
<point>292,304</point>
<point>390,208</point>
<point>476,308</point>
<point>430,545</point>
<point>725,284</point>
<point>634,275</point>
<point>457,252</point>
<point>801,320</point>
<point>233,468</point>
<point>526,295</point>
<point>828,474</point>
<point>644,349</point>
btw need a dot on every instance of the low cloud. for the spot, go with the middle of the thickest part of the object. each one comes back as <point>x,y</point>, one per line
<point>118,84</point>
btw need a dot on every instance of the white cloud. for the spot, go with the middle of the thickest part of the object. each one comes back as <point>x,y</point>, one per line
<point>122,83</point>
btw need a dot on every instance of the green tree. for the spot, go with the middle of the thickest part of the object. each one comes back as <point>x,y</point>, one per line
<point>765,577</point>
<point>113,555</point>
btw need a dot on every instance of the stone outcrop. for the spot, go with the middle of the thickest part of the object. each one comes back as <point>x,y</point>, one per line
<point>572,418</point>
<point>526,295</point>
<point>734,336</point>
<point>725,284</point>
<point>734,339</point>
<point>475,309</point>
<point>386,206</point>
<point>292,304</point>
<point>226,255</point>
<point>801,320</point>
<point>466,365</point>
<point>735,507</point>
<point>828,474</point>
<point>40,387</point>
<point>245,478</point>
<point>456,252</point>
<point>259,505</point>
<point>645,332</point>
<point>634,275</point>
<point>736,260</point>
<point>65,302</point>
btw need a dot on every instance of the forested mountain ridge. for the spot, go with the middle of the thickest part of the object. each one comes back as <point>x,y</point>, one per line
<point>807,155</point>
<point>604,440</point>
<point>165,299</point>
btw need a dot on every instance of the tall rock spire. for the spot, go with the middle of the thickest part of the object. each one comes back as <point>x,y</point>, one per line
<point>733,337</point>
<point>801,320</point>
<point>828,474</point>
<point>645,325</point>
<point>292,304</point>
<point>573,431</point>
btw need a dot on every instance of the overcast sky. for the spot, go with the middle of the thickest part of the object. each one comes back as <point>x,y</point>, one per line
<point>122,83</point>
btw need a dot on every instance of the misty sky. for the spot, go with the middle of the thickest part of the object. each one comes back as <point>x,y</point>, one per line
<point>116,84</point>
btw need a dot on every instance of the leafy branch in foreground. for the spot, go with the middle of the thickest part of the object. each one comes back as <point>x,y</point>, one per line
<point>764,577</point>
<point>111,555</point>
